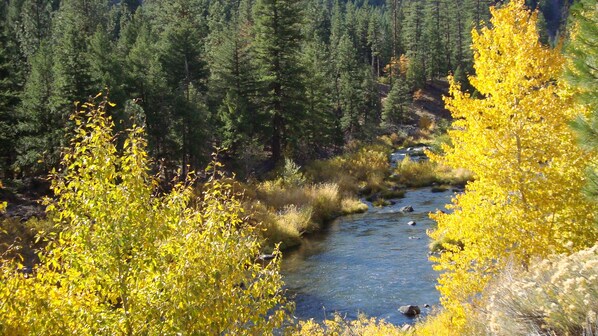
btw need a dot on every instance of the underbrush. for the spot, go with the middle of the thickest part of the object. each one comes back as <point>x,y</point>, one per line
<point>361,170</point>
<point>296,203</point>
<point>363,326</point>
<point>556,296</point>
<point>286,213</point>
<point>21,240</point>
<point>426,173</point>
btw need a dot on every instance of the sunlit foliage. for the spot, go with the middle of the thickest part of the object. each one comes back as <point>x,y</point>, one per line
<point>131,259</point>
<point>514,136</point>
<point>556,296</point>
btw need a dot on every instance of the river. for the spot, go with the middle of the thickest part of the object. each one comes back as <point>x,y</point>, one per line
<point>371,263</point>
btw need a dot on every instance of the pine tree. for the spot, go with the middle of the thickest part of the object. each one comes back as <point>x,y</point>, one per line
<point>37,124</point>
<point>233,85</point>
<point>146,81</point>
<point>434,17</point>
<point>582,75</point>
<point>277,43</point>
<point>35,24</point>
<point>349,87</point>
<point>181,27</point>
<point>11,82</point>
<point>413,40</point>
<point>397,102</point>
<point>321,125</point>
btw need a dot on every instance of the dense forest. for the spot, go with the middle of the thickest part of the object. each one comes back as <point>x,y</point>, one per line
<point>263,79</point>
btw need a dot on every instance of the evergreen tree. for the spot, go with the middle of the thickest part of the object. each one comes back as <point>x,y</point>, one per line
<point>277,43</point>
<point>322,125</point>
<point>349,87</point>
<point>433,36</point>
<point>146,81</point>
<point>582,75</point>
<point>181,28</point>
<point>35,24</point>
<point>233,84</point>
<point>11,83</point>
<point>38,127</point>
<point>413,40</point>
<point>397,103</point>
<point>460,32</point>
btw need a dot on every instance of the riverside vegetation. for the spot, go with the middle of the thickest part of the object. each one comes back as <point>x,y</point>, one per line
<point>524,218</point>
<point>124,256</point>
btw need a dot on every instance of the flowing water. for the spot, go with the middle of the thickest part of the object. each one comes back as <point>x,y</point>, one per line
<point>371,263</point>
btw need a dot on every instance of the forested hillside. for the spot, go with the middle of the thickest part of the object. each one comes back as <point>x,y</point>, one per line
<point>264,79</point>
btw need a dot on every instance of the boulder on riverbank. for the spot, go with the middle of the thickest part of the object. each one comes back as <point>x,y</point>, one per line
<point>410,310</point>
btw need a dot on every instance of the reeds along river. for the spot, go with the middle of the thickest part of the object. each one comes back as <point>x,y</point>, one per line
<point>371,263</point>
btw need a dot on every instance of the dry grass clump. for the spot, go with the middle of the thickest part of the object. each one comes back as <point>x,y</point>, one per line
<point>286,212</point>
<point>283,228</point>
<point>425,173</point>
<point>361,169</point>
<point>277,196</point>
<point>556,296</point>
<point>325,200</point>
<point>339,326</point>
<point>416,174</point>
<point>350,205</point>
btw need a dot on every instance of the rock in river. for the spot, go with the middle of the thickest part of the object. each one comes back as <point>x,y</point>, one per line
<point>411,223</point>
<point>408,208</point>
<point>410,310</point>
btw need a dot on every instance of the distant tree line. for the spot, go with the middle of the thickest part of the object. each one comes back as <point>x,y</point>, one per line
<point>265,79</point>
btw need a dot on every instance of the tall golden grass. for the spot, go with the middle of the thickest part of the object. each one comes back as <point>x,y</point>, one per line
<point>425,173</point>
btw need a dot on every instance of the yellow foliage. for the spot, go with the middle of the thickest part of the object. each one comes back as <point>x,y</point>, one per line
<point>131,261</point>
<point>443,323</point>
<point>338,326</point>
<point>526,200</point>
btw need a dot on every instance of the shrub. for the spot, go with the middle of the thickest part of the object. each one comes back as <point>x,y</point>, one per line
<point>129,260</point>
<point>416,174</point>
<point>364,167</point>
<point>556,296</point>
<point>425,173</point>
<point>338,325</point>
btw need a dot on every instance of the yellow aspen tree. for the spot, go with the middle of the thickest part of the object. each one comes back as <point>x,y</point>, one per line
<point>131,259</point>
<point>513,134</point>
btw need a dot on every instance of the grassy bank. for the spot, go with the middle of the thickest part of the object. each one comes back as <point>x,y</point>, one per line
<point>303,200</point>
<point>300,201</point>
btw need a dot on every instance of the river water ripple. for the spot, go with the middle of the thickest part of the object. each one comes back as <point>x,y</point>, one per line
<point>371,263</point>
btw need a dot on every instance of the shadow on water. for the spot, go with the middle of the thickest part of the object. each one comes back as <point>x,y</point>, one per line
<point>371,263</point>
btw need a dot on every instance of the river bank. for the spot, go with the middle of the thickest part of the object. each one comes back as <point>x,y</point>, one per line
<point>306,200</point>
